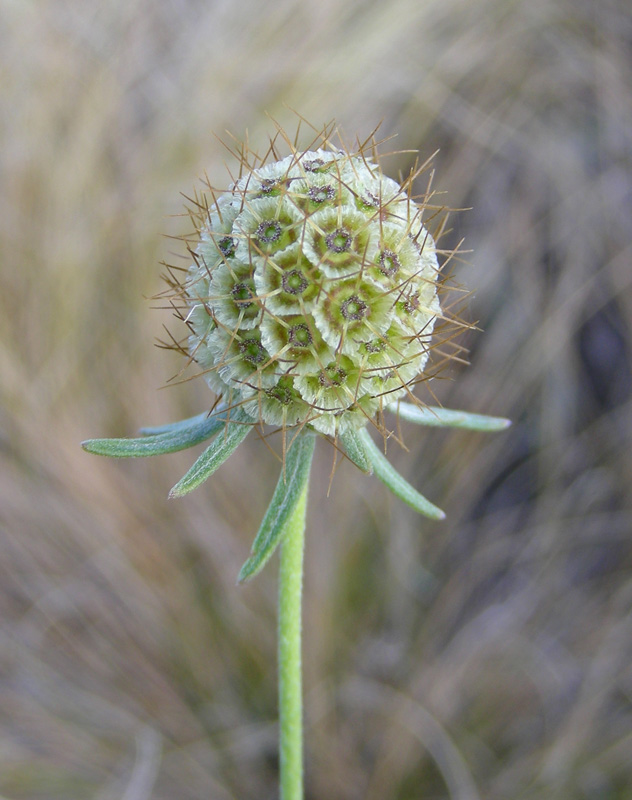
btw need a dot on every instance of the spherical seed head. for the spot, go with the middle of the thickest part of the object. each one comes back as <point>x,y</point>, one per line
<point>313,295</point>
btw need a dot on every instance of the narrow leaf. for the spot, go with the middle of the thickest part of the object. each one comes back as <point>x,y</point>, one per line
<point>173,427</point>
<point>447,418</point>
<point>198,429</point>
<point>291,483</point>
<point>235,431</point>
<point>356,452</point>
<point>394,481</point>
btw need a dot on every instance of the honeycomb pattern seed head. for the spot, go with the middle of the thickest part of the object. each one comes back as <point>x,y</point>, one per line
<point>313,294</point>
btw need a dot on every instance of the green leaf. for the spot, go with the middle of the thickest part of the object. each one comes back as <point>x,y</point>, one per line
<point>394,481</point>
<point>236,429</point>
<point>291,483</point>
<point>356,452</point>
<point>174,427</point>
<point>198,429</point>
<point>446,418</point>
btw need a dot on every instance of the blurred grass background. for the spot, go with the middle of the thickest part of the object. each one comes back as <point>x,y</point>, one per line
<point>486,657</point>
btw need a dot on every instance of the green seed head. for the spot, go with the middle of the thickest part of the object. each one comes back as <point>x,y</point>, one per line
<point>313,295</point>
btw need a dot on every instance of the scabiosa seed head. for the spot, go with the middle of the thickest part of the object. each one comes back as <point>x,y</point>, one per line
<point>311,304</point>
<point>314,290</point>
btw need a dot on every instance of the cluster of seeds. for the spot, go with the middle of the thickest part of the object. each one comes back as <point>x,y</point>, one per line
<point>313,295</point>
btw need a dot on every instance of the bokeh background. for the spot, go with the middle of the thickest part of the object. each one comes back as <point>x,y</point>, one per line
<point>484,658</point>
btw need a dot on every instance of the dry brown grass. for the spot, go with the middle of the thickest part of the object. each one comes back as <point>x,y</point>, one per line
<point>487,657</point>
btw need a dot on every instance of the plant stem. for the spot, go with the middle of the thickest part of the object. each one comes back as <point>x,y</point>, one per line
<point>290,682</point>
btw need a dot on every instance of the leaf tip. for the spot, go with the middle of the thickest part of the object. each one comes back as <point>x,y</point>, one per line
<point>245,573</point>
<point>92,446</point>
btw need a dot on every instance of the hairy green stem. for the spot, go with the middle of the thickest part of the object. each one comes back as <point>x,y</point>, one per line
<point>290,682</point>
